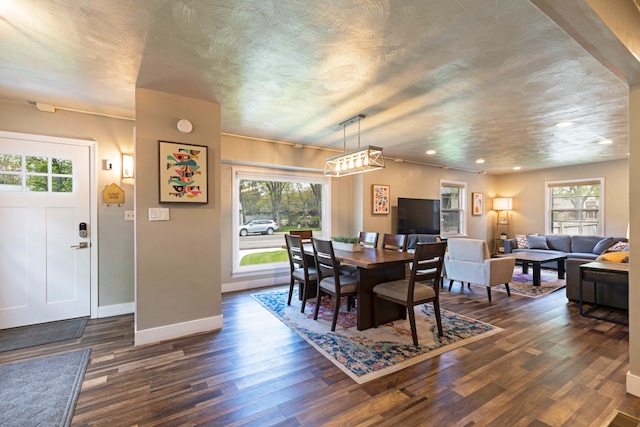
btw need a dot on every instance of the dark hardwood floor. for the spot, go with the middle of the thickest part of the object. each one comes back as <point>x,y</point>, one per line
<point>549,367</point>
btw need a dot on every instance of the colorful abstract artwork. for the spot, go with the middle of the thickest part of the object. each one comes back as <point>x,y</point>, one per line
<point>183,173</point>
<point>380,196</point>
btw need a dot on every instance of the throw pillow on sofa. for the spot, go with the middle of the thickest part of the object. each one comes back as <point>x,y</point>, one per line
<point>614,257</point>
<point>619,246</point>
<point>537,242</point>
<point>521,241</point>
<point>603,245</point>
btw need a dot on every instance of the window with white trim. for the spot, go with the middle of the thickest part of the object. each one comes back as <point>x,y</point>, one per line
<point>452,208</point>
<point>575,207</point>
<point>269,203</point>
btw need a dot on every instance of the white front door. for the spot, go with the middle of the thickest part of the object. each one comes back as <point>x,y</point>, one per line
<point>45,261</point>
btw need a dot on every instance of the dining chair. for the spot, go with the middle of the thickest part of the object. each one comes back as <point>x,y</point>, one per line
<point>394,242</point>
<point>303,273</point>
<point>305,235</point>
<point>330,279</point>
<point>369,239</point>
<point>421,287</point>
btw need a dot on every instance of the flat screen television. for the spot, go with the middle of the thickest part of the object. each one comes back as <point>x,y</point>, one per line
<point>418,216</point>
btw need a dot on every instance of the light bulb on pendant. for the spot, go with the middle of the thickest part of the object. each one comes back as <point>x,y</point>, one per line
<point>351,165</point>
<point>359,162</point>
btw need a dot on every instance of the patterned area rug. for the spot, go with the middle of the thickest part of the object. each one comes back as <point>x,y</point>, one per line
<point>366,355</point>
<point>29,336</point>
<point>42,391</point>
<point>522,284</point>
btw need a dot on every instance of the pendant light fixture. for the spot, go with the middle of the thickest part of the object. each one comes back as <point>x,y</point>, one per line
<point>362,160</point>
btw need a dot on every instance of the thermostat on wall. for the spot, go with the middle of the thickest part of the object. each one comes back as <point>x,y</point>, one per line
<point>185,126</point>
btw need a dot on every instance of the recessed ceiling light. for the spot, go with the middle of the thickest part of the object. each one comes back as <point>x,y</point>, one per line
<point>479,161</point>
<point>516,168</point>
<point>564,124</point>
<point>605,142</point>
<point>431,152</point>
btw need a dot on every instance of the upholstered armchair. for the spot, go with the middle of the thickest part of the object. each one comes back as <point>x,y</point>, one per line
<point>468,260</point>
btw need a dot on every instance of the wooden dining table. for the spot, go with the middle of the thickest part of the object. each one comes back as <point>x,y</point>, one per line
<point>374,266</point>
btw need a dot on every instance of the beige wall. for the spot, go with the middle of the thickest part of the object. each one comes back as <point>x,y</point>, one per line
<point>423,182</point>
<point>177,261</point>
<point>528,192</point>
<point>114,137</point>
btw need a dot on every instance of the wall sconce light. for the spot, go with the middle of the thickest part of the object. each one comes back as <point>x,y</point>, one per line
<point>127,166</point>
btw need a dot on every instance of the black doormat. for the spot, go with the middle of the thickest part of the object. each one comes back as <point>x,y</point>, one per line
<point>45,333</point>
<point>42,391</point>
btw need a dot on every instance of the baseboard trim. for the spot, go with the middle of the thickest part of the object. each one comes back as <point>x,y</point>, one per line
<point>633,384</point>
<point>116,309</point>
<point>279,279</point>
<point>168,332</point>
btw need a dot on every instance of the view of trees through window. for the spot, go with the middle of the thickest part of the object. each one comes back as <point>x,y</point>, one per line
<point>270,208</point>
<point>575,208</point>
<point>290,204</point>
<point>34,173</point>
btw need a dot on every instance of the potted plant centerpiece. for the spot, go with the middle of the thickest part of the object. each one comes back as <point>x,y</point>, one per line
<point>346,243</point>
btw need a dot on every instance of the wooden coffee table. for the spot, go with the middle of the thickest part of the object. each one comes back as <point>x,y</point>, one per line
<point>537,259</point>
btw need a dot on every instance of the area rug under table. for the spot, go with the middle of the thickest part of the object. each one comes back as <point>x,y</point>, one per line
<point>42,391</point>
<point>373,353</point>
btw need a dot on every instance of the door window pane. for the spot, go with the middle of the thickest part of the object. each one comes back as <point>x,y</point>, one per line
<point>10,163</point>
<point>37,164</point>
<point>37,183</point>
<point>61,184</point>
<point>61,166</point>
<point>10,182</point>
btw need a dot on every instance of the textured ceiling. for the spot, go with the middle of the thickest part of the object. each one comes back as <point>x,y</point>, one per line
<point>470,79</point>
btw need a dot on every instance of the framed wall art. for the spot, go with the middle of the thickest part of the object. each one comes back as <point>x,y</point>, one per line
<point>183,173</point>
<point>476,203</point>
<point>381,199</point>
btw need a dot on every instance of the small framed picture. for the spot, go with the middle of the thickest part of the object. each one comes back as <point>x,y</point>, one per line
<point>381,199</point>
<point>476,203</point>
<point>183,173</point>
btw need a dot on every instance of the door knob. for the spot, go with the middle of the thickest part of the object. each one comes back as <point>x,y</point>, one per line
<point>81,245</point>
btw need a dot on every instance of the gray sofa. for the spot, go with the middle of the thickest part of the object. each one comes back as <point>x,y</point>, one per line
<point>581,247</point>
<point>413,239</point>
<point>579,250</point>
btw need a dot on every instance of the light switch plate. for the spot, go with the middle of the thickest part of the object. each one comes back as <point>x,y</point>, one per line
<point>158,214</point>
<point>129,215</point>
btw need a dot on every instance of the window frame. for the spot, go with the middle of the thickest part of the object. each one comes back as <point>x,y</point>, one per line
<point>262,174</point>
<point>462,211</point>
<point>549,185</point>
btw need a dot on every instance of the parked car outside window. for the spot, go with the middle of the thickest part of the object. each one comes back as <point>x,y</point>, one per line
<point>261,226</point>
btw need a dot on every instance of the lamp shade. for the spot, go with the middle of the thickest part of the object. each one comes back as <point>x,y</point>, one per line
<point>502,204</point>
